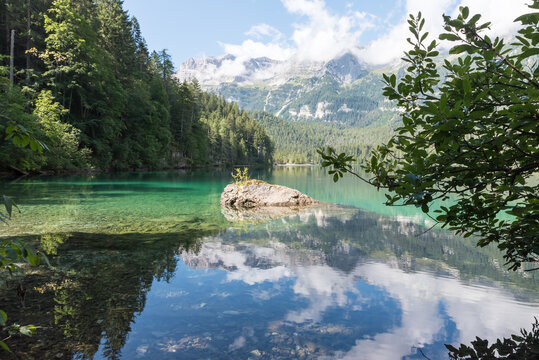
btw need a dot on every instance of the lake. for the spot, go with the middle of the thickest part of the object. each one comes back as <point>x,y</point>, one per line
<point>148,266</point>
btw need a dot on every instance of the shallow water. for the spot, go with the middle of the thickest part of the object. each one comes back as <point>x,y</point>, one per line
<point>148,267</point>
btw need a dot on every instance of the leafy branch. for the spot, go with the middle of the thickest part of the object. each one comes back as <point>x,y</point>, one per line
<point>469,142</point>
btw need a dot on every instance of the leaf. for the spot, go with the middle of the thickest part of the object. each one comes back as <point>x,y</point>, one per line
<point>3,318</point>
<point>9,130</point>
<point>335,177</point>
<point>4,346</point>
<point>34,145</point>
<point>528,19</point>
<point>16,141</point>
<point>8,203</point>
<point>484,26</point>
<point>529,52</point>
<point>448,36</point>
<point>523,40</point>
<point>33,259</point>
<point>27,330</point>
<point>465,12</point>
<point>474,19</point>
<point>462,48</point>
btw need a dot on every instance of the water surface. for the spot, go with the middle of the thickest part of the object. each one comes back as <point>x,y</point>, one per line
<point>148,267</point>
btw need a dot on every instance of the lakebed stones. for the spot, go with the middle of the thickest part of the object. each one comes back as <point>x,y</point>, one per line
<point>258,215</point>
<point>256,193</point>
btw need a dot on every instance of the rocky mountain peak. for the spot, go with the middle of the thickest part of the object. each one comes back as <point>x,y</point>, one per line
<point>214,71</point>
<point>347,68</point>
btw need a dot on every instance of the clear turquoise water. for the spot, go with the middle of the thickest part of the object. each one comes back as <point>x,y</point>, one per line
<point>150,268</point>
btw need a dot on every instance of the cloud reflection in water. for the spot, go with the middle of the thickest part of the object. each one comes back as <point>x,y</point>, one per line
<point>427,300</point>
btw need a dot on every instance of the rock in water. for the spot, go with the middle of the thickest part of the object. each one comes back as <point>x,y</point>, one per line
<point>256,193</point>
<point>258,215</point>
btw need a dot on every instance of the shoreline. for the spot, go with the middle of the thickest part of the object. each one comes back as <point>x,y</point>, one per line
<point>15,174</point>
<point>288,164</point>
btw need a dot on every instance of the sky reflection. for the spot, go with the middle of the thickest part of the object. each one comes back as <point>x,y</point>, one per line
<point>306,287</point>
<point>426,301</point>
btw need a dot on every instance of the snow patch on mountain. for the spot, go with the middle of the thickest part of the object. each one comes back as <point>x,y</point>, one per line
<point>213,71</point>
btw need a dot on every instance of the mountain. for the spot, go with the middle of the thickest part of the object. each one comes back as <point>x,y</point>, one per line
<point>213,71</point>
<point>342,90</point>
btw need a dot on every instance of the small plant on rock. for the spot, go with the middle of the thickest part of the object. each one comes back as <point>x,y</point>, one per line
<point>241,177</point>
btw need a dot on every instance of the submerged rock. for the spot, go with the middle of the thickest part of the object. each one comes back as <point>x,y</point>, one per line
<point>257,215</point>
<point>256,193</point>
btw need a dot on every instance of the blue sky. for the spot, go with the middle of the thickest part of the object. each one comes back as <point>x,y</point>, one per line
<point>306,29</point>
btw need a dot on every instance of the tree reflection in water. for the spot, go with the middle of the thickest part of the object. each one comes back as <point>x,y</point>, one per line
<point>92,293</point>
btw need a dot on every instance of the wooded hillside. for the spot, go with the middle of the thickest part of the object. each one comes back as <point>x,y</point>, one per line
<point>85,85</point>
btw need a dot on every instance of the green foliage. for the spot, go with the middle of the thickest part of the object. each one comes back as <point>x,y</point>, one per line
<point>9,204</point>
<point>234,136</point>
<point>13,251</point>
<point>241,177</point>
<point>295,142</point>
<point>21,137</point>
<point>64,151</point>
<point>96,96</point>
<point>340,162</point>
<point>470,139</point>
<point>517,347</point>
<point>51,242</point>
<point>14,329</point>
<point>20,141</point>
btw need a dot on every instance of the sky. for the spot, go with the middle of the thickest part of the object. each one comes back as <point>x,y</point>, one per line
<point>311,30</point>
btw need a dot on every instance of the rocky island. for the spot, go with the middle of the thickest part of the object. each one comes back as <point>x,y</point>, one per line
<point>257,193</point>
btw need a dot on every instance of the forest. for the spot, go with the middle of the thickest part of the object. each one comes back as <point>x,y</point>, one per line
<point>87,92</point>
<point>296,142</point>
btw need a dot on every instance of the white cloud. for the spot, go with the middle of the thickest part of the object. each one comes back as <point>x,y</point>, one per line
<point>390,46</point>
<point>256,276</point>
<point>321,37</point>
<point>253,49</point>
<point>320,34</point>
<point>324,287</point>
<point>475,310</point>
<point>264,30</point>
<point>324,35</point>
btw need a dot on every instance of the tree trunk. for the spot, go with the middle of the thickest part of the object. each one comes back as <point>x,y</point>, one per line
<point>7,31</point>
<point>11,57</point>
<point>28,41</point>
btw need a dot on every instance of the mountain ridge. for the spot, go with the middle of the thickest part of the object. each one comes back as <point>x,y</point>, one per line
<point>228,68</point>
<point>342,90</point>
